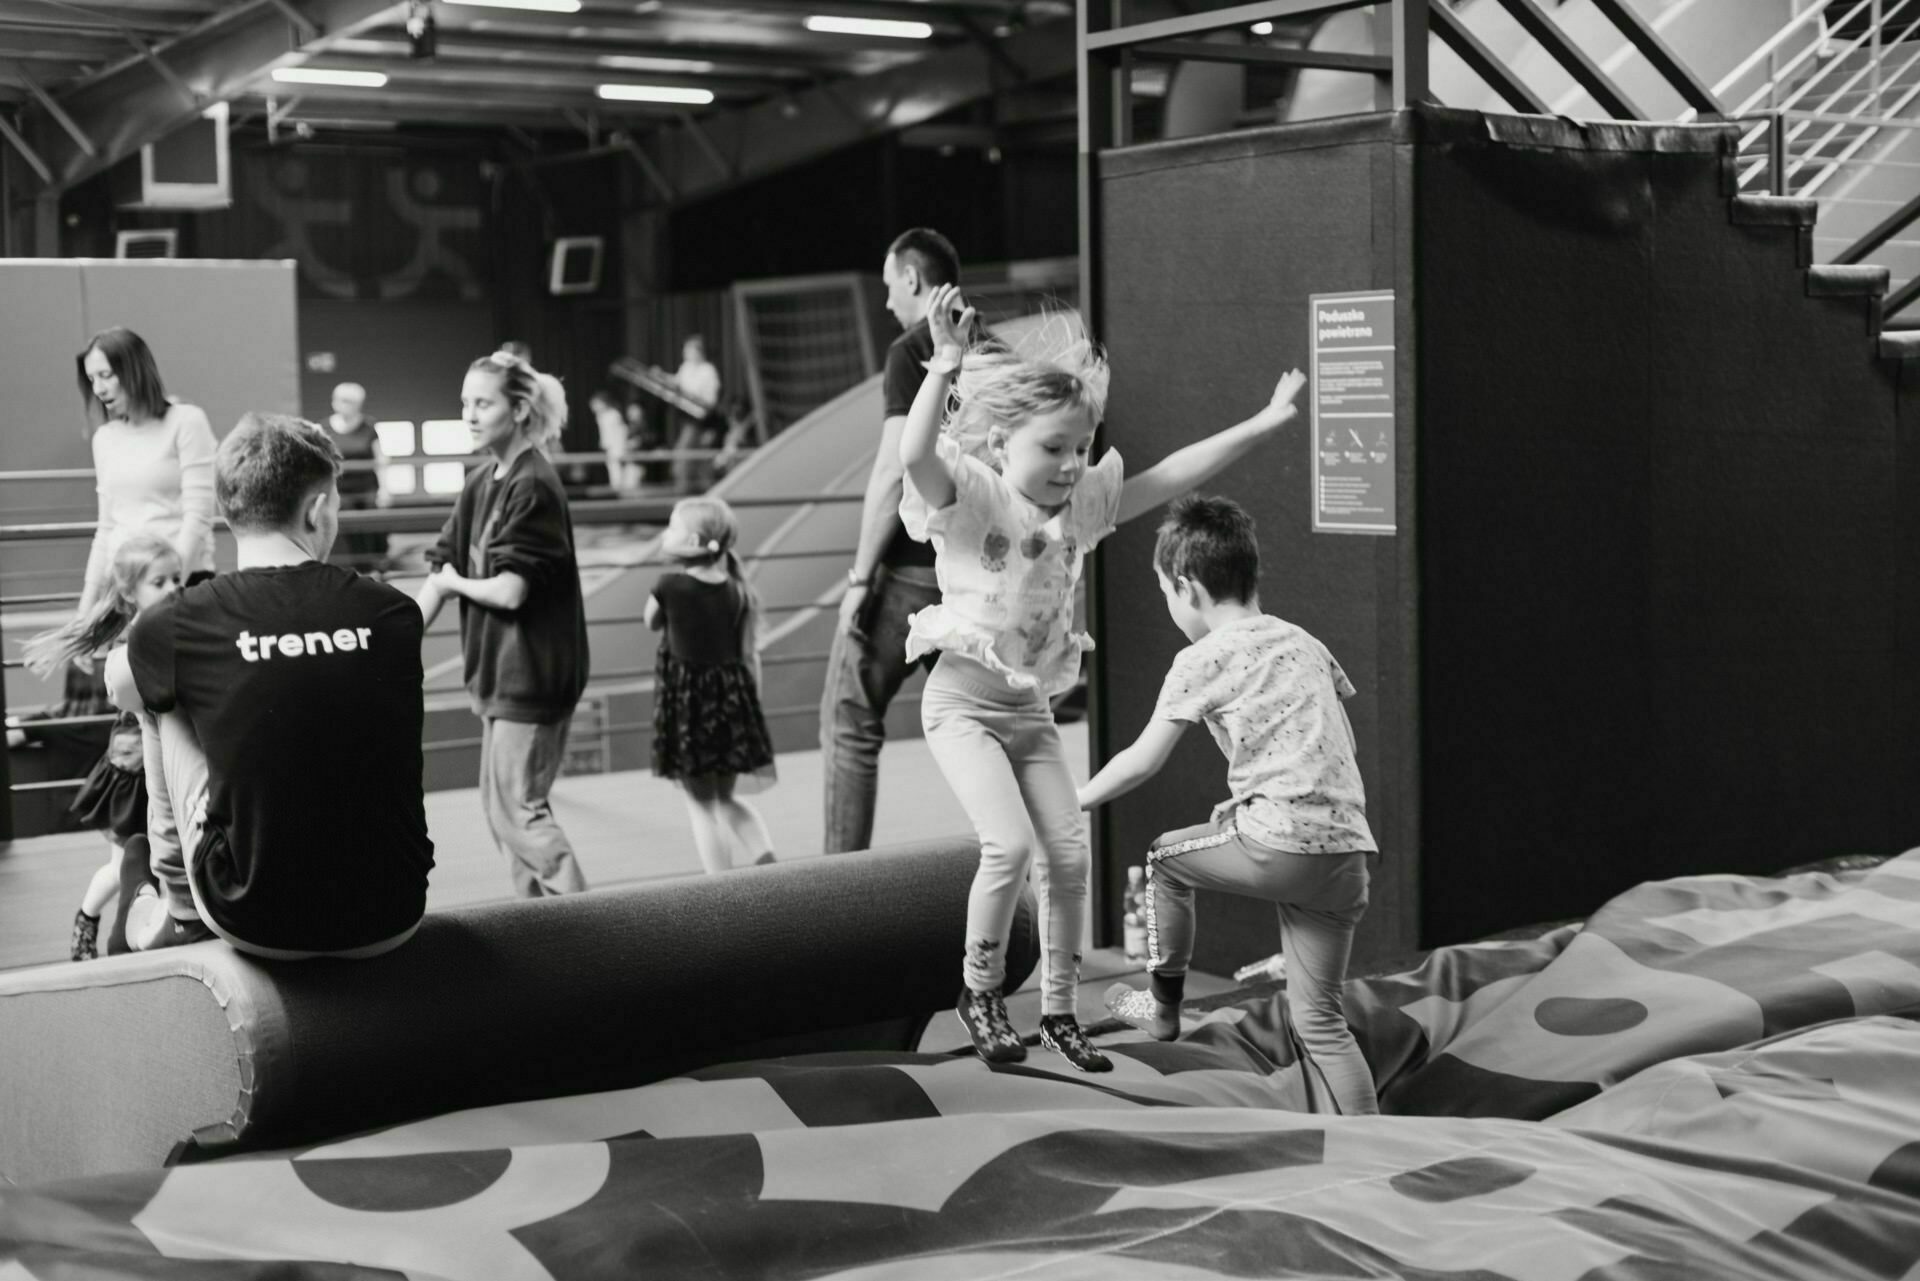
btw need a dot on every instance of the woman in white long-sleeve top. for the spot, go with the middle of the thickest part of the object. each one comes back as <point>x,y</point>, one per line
<point>152,459</point>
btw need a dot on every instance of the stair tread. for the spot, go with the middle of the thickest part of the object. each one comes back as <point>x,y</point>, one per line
<point>1900,344</point>
<point>1850,280</point>
<point>1774,211</point>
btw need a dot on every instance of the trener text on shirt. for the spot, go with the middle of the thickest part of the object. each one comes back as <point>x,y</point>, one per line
<point>296,645</point>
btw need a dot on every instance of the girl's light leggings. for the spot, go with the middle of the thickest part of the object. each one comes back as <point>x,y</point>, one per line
<point>1001,754</point>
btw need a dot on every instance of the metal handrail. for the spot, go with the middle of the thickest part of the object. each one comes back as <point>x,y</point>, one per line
<point>1775,110</point>
<point>1813,48</point>
<point>1873,125</point>
<point>421,460</point>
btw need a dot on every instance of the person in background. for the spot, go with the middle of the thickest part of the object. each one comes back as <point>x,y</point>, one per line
<point>113,800</point>
<point>892,576</point>
<point>508,553</point>
<point>152,459</point>
<point>643,437</point>
<point>359,446</point>
<point>708,725</point>
<point>612,426</point>
<point>699,381</point>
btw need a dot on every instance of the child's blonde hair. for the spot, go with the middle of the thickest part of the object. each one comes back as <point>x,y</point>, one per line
<point>86,634</point>
<point>715,530</point>
<point>1050,368</point>
<point>540,397</point>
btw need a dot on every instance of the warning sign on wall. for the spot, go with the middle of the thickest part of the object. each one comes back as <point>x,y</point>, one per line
<point>1352,399</point>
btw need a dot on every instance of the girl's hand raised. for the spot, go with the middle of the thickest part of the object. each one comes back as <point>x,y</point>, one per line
<point>947,322</point>
<point>1281,408</point>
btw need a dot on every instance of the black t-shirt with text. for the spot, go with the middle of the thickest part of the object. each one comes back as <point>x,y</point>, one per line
<point>303,684</point>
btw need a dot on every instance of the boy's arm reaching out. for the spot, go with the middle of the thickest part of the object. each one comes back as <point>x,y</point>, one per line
<point>1192,466</point>
<point>922,432</point>
<point>1133,765</point>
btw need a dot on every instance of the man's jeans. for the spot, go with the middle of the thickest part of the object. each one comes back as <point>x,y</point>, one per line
<point>866,669</point>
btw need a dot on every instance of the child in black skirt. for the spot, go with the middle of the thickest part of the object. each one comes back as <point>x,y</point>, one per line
<point>145,571</point>
<point>708,727</point>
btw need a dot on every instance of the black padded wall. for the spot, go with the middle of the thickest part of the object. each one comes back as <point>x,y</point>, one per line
<point>1211,249</point>
<point>1657,528</point>
<point>1650,609</point>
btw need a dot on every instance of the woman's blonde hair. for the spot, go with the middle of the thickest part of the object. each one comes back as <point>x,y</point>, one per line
<point>715,530</point>
<point>85,635</point>
<point>1050,368</point>
<point>539,400</point>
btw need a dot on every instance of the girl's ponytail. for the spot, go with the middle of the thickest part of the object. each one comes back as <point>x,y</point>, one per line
<point>87,634</point>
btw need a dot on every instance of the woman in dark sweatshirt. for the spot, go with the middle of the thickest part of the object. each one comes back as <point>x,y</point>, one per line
<point>507,553</point>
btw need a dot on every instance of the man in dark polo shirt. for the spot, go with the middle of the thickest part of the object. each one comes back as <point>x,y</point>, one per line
<point>892,575</point>
<point>282,710</point>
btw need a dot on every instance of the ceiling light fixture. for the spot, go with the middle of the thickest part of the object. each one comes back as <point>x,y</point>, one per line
<point>655,93</point>
<point>839,26</point>
<point>328,76</point>
<point>547,6</point>
<point>1263,28</point>
<point>639,62</point>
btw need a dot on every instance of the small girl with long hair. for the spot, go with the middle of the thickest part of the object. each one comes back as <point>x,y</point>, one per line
<point>144,571</point>
<point>708,727</point>
<point>1011,504</point>
<point>507,553</point>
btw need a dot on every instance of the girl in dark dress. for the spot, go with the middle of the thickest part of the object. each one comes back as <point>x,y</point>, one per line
<point>145,571</point>
<point>708,727</point>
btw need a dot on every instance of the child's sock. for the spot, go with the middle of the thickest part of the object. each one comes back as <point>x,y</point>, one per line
<point>86,934</point>
<point>984,1015</point>
<point>1145,1011</point>
<point>1061,1033</point>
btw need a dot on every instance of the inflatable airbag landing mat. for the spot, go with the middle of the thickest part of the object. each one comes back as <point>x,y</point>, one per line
<point>1713,1077</point>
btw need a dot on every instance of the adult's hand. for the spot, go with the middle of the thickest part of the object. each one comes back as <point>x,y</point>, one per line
<point>850,606</point>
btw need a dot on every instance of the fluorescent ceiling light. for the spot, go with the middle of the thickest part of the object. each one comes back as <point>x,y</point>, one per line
<point>327,76</point>
<point>637,62</point>
<point>655,93</point>
<point>549,6</point>
<point>869,27</point>
<point>1263,28</point>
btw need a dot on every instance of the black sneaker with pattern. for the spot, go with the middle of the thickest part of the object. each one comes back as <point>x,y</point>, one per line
<point>86,935</point>
<point>1061,1033</point>
<point>984,1015</point>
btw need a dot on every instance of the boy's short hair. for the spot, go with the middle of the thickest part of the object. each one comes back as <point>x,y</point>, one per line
<point>929,253</point>
<point>267,466</point>
<point>1210,541</point>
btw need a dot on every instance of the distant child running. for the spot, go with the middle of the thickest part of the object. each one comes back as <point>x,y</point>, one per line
<point>1007,498</point>
<point>708,728</point>
<point>507,552</point>
<point>1294,832</point>
<point>144,571</point>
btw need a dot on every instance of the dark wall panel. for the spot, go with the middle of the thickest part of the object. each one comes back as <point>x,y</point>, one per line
<point>1211,252</point>
<point>1658,515</point>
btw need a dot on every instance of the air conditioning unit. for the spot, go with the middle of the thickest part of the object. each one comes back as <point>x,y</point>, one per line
<point>187,169</point>
<point>146,244</point>
<point>574,267</point>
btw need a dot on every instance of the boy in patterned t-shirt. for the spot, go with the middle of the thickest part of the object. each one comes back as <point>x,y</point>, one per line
<point>1294,832</point>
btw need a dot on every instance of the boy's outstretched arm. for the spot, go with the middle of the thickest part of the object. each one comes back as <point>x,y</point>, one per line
<point>1188,468</point>
<point>922,432</point>
<point>1133,765</point>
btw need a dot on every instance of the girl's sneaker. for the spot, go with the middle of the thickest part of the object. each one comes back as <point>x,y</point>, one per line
<point>1131,1005</point>
<point>86,936</point>
<point>1061,1033</point>
<point>985,1016</point>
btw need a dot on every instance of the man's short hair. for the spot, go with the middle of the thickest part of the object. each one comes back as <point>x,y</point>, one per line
<point>929,253</point>
<point>1210,541</point>
<point>267,466</point>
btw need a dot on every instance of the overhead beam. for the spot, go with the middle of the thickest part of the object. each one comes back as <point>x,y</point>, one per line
<point>574,51</point>
<point>60,117</point>
<point>768,137</point>
<point>482,78</point>
<point>143,100</point>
